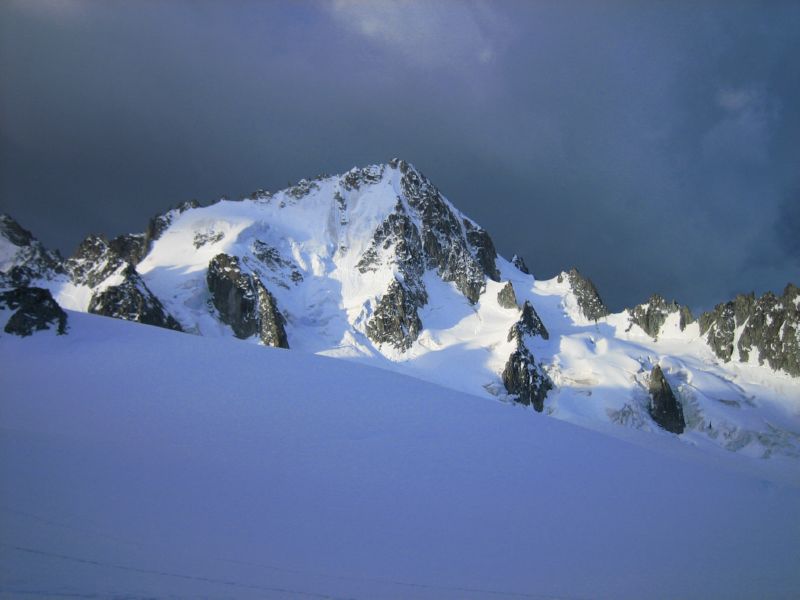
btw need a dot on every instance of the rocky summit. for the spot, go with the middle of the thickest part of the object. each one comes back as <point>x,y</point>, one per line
<point>377,265</point>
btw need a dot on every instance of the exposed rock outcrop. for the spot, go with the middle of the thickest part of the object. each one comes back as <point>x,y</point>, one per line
<point>395,320</point>
<point>22,257</point>
<point>14,232</point>
<point>397,242</point>
<point>301,189</point>
<point>21,276</point>
<point>522,376</point>
<point>160,223</point>
<point>770,329</point>
<point>686,317</point>
<point>283,270</point>
<point>201,238</point>
<point>664,408</point>
<point>652,315</point>
<point>35,310</point>
<point>233,295</point>
<point>93,262</point>
<point>244,303</point>
<point>357,177</point>
<point>526,380</point>
<point>529,324</point>
<point>506,296</point>
<point>482,248</point>
<point>132,300</point>
<point>586,294</point>
<point>459,250</point>
<point>518,262</point>
<point>131,247</point>
<point>423,232</point>
<point>271,323</point>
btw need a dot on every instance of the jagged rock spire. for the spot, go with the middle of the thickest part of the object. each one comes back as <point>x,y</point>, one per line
<point>526,380</point>
<point>506,296</point>
<point>586,294</point>
<point>664,407</point>
<point>529,324</point>
<point>244,302</point>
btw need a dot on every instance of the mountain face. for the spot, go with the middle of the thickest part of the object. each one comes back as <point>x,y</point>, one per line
<point>377,266</point>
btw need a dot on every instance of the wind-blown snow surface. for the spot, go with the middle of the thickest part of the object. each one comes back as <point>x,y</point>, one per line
<point>142,463</point>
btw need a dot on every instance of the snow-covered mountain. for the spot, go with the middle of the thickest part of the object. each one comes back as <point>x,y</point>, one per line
<point>377,266</point>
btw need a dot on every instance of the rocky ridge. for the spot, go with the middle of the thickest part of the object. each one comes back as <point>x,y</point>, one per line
<point>765,329</point>
<point>652,315</point>
<point>132,300</point>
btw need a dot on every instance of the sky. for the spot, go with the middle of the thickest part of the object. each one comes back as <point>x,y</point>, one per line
<point>655,146</point>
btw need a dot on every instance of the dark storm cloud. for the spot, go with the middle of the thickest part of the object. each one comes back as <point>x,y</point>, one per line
<point>654,146</point>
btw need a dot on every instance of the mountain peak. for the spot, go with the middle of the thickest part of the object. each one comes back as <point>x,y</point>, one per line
<point>377,265</point>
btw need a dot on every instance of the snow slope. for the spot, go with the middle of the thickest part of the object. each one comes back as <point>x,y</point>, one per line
<point>138,462</point>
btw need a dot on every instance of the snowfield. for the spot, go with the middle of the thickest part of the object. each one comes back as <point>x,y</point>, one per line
<point>141,463</point>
